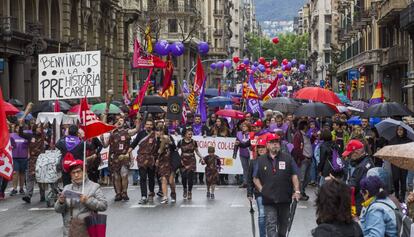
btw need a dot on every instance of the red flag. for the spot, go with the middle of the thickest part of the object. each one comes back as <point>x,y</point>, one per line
<point>271,90</point>
<point>57,106</point>
<point>140,97</point>
<point>6,160</point>
<point>145,61</point>
<point>90,124</point>
<point>168,72</point>
<point>199,78</point>
<point>125,93</point>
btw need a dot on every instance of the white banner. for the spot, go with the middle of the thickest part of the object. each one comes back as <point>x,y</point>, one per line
<point>224,149</point>
<point>69,75</point>
<point>104,153</point>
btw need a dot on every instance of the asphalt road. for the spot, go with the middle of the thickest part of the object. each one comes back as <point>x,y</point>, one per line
<point>228,215</point>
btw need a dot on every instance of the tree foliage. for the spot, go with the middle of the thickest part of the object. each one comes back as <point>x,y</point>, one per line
<point>290,46</point>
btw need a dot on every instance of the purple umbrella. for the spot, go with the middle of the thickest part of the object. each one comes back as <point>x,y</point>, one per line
<point>359,104</point>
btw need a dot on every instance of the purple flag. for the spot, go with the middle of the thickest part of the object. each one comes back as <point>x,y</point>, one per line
<point>253,106</point>
<point>229,107</point>
<point>201,106</point>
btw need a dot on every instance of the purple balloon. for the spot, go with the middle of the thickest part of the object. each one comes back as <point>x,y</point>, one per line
<point>294,62</point>
<point>162,47</point>
<point>256,63</point>
<point>176,48</point>
<point>289,65</point>
<point>253,68</point>
<point>213,66</point>
<point>227,64</point>
<point>220,65</point>
<point>280,75</point>
<point>262,68</point>
<point>246,61</point>
<point>302,68</point>
<point>203,47</point>
<point>283,68</point>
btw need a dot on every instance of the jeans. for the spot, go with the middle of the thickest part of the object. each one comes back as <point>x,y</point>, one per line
<point>261,216</point>
<point>277,219</point>
<point>245,165</point>
<point>410,183</point>
<point>313,172</point>
<point>399,177</point>
<point>30,182</point>
<point>135,176</point>
<point>144,173</point>
<point>305,173</point>
<point>187,178</point>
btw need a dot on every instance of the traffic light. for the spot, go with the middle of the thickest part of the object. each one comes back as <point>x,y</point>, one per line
<point>354,85</point>
<point>362,82</point>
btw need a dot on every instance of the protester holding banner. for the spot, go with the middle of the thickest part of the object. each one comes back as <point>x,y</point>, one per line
<point>188,161</point>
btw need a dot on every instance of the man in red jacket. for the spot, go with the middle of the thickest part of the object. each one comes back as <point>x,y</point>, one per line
<point>302,153</point>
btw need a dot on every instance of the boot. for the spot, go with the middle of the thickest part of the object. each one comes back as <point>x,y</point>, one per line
<point>118,197</point>
<point>189,196</point>
<point>125,196</point>
<point>173,197</point>
<point>185,194</point>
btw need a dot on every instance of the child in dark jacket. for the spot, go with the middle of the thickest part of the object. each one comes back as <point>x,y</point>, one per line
<point>213,167</point>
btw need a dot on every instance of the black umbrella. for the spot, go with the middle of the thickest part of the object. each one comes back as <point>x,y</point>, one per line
<point>154,100</point>
<point>151,109</point>
<point>315,110</point>
<point>49,106</point>
<point>387,109</point>
<point>282,104</point>
<point>15,102</point>
<point>291,215</point>
<point>252,216</point>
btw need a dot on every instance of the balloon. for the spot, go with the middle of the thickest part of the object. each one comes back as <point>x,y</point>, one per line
<point>227,64</point>
<point>267,64</point>
<point>268,70</point>
<point>275,40</point>
<point>280,75</point>
<point>213,66</point>
<point>249,71</point>
<point>283,68</point>
<point>262,68</point>
<point>294,62</point>
<point>162,47</point>
<point>285,61</point>
<point>302,68</point>
<point>283,88</point>
<point>236,59</point>
<point>253,68</point>
<point>275,62</point>
<point>176,48</point>
<point>220,65</point>
<point>262,60</point>
<point>203,47</point>
<point>246,61</point>
<point>256,63</point>
<point>289,64</point>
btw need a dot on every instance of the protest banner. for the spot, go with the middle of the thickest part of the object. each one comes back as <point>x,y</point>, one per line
<point>224,149</point>
<point>104,153</point>
<point>71,75</point>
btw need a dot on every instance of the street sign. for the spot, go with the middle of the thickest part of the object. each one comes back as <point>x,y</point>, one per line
<point>1,65</point>
<point>353,74</point>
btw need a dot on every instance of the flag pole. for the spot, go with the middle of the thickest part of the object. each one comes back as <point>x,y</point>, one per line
<point>84,151</point>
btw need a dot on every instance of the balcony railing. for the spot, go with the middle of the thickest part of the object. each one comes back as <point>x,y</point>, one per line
<point>394,55</point>
<point>218,12</point>
<point>390,9</point>
<point>218,32</point>
<point>407,18</point>
<point>179,8</point>
<point>370,57</point>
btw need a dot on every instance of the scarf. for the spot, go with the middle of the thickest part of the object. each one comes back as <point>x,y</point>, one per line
<point>197,129</point>
<point>71,142</point>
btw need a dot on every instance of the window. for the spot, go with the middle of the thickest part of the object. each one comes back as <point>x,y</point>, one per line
<point>215,43</point>
<point>172,26</point>
<point>327,58</point>
<point>173,5</point>
<point>328,36</point>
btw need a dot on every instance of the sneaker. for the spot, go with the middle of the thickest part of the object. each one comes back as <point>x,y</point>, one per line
<point>13,192</point>
<point>173,197</point>
<point>304,197</point>
<point>201,182</point>
<point>164,201</point>
<point>143,201</point>
<point>208,194</point>
<point>313,184</point>
<point>243,186</point>
<point>160,194</point>
<point>26,199</point>
<point>151,198</point>
<point>135,184</point>
<point>21,191</point>
<point>212,196</point>
<point>1,196</point>
<point>185,194</point>
<point>125,197</point>
<point>189,196</point>
<point>118,198</point>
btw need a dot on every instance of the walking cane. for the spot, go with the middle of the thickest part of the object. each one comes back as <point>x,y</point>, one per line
<point>252,216</point>
<point>291,215</point>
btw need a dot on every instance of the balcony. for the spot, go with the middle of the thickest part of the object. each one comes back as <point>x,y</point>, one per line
<point>394,55</point>
<point>370,57</point>
<point>218,32</point>
<point>180,9</point>
<point>407,18</point>
<point>390,9</point>
<point>218,12</point>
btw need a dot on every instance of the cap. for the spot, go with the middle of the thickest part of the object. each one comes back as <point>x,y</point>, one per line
<point>272,137</point>
<point>258,123</point>
<point>261,142</point>
<point>75,163</point>
<point>352,146</point>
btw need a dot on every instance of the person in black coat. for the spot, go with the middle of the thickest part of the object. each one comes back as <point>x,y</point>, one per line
<point>325,167</point>
<point>399,175</point>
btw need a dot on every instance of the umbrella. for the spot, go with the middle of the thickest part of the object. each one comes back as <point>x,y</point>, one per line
<point>282,104</point>
<point>15,102</point>
<point>387,109</point>
<point>230,113</point>
<point>337,108</point>
<point>10,109</point>
<point>354,120</point>
<point>318,94</point>
<point>398,155</point>
<point>355,109</point>
<point>154,100</point>
<point>314,110</point>
<point>49,106</point>
<point>211,92</point>
<point>387,129</point>
<point>343,98</point>
<point>291,215</point>
<point>28,117</point>
<point>219,101</point>
<point>151,109</point>
<point>359,104</point>
<point>76,109</point>
<point>252,216</point>
<point>100,109</point>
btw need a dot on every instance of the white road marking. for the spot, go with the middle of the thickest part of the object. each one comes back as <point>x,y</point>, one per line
<point>3,210</point>
<point>302,207</point>
<point>194,205</point>
<point>142,206</point>
<point>42,209</point>
<point>237,205</point>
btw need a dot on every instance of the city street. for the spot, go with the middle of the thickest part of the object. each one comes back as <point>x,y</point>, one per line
<point>228,215</point>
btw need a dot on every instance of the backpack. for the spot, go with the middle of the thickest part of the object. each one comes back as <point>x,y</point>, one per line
<point>336,162</point>
<point>404,223</point>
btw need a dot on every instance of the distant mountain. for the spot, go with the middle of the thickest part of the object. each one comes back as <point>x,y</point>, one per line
<point>277,9</point>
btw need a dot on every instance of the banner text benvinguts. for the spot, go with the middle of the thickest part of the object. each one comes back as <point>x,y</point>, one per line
<point>70,75</point>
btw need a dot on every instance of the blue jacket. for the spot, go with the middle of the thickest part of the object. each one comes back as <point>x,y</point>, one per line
<point>378,220</point>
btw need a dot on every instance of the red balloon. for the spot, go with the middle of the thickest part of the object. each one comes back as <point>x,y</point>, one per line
<point>268,70</point>
<point>275,62</point>
<point>262,60</point>
<point>236,59</point>
<point>275,40</point>
<point>285,62</point>
<point>249,71</point>
<point>267,64</point>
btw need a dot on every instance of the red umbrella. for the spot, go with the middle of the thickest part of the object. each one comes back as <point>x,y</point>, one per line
<point>230,113</point>
<point>76,109</point>
<point>318,94</point>
<point>10,109</point>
